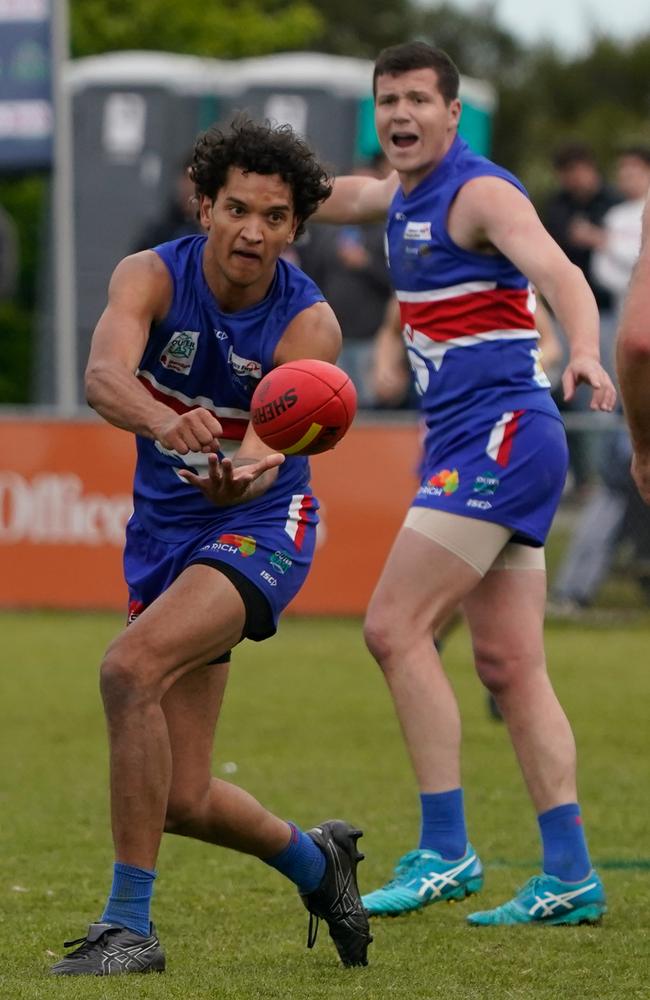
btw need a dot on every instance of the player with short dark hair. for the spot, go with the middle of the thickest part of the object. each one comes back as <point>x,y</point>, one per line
<point>222,534</point>
<point>464,244</point>
<point>399,59</point>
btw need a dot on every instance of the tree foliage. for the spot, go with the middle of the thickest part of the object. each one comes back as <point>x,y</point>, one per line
<point>363,29</point>
<point>218,28</point>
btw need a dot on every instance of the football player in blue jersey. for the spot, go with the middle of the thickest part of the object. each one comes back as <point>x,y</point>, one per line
<point>465,246</point>
<point>222,533</point>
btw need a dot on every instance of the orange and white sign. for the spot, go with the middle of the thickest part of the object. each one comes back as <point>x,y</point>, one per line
<point>65,498</point>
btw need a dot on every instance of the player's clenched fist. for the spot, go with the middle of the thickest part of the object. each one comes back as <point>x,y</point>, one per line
<point>196,430</point>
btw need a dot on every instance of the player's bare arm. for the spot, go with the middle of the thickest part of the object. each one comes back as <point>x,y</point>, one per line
<point>313,333</point>
<point>633,362</point>
<point>139,293</point>
<point>390,373</point>
<point>490,212</point>
<point>358,199</point>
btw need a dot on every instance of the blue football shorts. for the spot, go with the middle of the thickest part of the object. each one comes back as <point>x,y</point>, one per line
<point>265,554</point>
<point>507,468</point>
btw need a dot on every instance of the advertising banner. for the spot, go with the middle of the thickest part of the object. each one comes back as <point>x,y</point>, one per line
<point>65,497</point>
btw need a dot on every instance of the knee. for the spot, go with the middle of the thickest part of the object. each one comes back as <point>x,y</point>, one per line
<point>124,678</point>
<point>381,637</point>
<point>181,809</point>
<point>498,668</point>
<point>184,808</point>
<point>392,633</point>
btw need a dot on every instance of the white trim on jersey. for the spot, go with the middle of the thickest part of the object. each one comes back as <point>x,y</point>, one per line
<point>497,434</point>
<point>219,411</point>
<point>293,520</point>
<point>435,350</point>
<point>450,292</point>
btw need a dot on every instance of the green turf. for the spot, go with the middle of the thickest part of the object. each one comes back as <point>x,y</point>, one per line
<point>308,723</point>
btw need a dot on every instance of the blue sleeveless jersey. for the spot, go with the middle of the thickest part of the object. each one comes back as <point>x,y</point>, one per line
<point>467,318</point>
<point>201,356</point>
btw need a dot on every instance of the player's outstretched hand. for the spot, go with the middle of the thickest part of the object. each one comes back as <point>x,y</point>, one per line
<point>591,372</point>
<point>196,430</point>
<point>227,484</point>
<point>641,474</point>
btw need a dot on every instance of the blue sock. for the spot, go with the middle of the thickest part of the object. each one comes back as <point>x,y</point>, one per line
<point>302,861</point>
<point>130,899</point>
<point>563,840</point>
<point>443,823</point>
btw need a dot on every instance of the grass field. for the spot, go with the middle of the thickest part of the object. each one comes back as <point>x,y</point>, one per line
<point>308,724</point>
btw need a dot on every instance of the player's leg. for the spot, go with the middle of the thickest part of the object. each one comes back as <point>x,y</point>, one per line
<point>321,863</point>
<point>505,614</point>
<point>431,568</point>
<point>197,619</point>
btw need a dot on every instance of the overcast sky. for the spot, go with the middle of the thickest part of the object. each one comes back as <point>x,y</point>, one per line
<point>568,23</point>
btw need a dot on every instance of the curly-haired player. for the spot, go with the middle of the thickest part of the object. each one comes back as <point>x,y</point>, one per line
<point>217,546</point>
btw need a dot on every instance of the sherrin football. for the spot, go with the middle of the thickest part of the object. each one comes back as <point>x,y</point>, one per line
<point>303,407</point>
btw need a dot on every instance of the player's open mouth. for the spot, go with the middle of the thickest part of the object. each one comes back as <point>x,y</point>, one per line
<point>403,139</point>
<point>247,255</point>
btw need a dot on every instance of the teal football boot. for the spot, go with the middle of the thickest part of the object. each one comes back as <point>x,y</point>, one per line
<point>547,900</point>
<point>424,877</point>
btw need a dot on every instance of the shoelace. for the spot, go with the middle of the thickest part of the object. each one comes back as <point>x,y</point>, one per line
<point>312,931</point>
<point>403,866</point>
<point>81,941</point>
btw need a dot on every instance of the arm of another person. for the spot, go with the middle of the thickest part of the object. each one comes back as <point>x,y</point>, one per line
<point>633,362</point>
<point>358,199</point>
<point>390,375</point>
<point>491,212</point>
<point>139,293</point>
<point>313,333</point>
<point>549,342</point>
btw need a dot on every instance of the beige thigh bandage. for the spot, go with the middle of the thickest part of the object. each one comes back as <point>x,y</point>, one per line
<point>481,544</point>
<point>517,556</point>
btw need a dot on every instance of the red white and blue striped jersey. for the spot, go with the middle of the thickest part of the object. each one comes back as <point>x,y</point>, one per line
<point>467,317</point>
<point>199,355</point>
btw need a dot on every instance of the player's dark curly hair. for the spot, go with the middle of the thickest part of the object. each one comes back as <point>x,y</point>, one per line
<point>260,149</point>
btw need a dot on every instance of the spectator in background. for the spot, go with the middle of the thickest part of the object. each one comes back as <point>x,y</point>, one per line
<point>617,240</point>
<point>582,197</point>
<point>579,204</point>
<point>349,266</point>
<point>613,513</point>
<point>180,217</point>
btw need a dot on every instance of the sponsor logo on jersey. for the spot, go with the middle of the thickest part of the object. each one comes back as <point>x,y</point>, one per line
<point>268,411</point>
<point>442,483</point>
<point>281,561</point>
<point>269,579</point>
<point>178,355</point>
<point>242,544</point>
<point>486,483</point>
<point>479,504</point>
<point>244,367</point>
<point>417,231</point>
<point>221,334</point>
